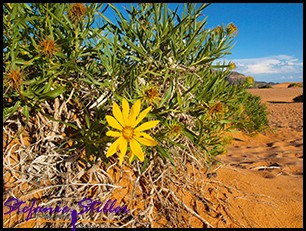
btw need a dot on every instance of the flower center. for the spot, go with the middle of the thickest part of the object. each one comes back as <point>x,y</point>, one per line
<point>128,132</point>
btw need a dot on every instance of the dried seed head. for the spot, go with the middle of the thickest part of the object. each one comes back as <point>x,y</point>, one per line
<point>48,47</point>
<point>77,12</point>
<point>143,24</point>
<point>231,29</point>
<point>14,78</point>
<point>219,30</point>
<point>174,129</point>
<point>151,95</point>
<point>217,108</point>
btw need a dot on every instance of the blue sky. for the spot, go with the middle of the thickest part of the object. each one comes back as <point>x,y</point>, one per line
<point>269,44</point>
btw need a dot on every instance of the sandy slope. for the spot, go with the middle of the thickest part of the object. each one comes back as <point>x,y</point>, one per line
<point>269,166</point>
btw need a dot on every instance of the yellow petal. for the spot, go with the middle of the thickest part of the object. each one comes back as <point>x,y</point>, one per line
<point>135,111</point>
<point>117,114</point>
<point>125,110</point>
<point>114,147</point>
<point>131,154</point>
<point>146,139</point>
<point>122,147</point>
<point>141,116</point>
<point>136,149</point>
<point>113,134</point>
<point>113,122</point>
<point>146,126</point>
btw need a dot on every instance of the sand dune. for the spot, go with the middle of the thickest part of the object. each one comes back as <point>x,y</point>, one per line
<point>269,164</point>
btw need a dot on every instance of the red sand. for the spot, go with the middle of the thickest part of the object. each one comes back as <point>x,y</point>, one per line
<point>270,165</point>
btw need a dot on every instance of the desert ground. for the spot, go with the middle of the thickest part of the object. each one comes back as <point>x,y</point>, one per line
<point>259,182</point>
<point>268,165</point>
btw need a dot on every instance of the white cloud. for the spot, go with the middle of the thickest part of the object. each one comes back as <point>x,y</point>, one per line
<point>279,64</point>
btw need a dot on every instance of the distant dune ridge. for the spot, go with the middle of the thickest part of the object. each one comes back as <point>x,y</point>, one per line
<point>236,77</point>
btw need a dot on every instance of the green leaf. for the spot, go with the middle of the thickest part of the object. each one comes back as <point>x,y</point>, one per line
<point>189,134</point>
<point>8,111</point>
<point>68,25</point>
<point>87,120</point>
<point>47,87</point>
<point>60,121</point>
<point>27,6</point>
<point>144,165</point>
<point>34,42</point>
<point>179,100</point>
<point>91,150</point>
<point>26,113</point>
<point>201,128</point>
<point>106,19</point>
<point>164,154</point>
<point>54,93</point>
<point>192,87</point>
<point>135,58</point>
<point>167,95</point>
<point>191,43</point>
<point>124,22</point>
<point>136,48</point>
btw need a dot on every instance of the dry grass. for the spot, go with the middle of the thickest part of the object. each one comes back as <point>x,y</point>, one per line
<point>41,164</point>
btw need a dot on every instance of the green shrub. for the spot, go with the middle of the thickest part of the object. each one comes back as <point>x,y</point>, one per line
<point>156,55</point>
<point>295,85</point>
<point>250,82</point>
<point>266,86</point>
<point>253,117</point>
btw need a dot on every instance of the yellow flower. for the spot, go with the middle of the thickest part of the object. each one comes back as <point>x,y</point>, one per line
<point>126,121</point>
